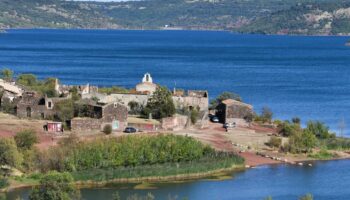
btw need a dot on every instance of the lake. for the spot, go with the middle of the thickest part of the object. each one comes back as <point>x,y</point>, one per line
<point>293,75</point>
<point>325,180</point>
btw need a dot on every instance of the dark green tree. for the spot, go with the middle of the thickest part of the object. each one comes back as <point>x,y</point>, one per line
<point>160,104</point>
<point>55,186</point>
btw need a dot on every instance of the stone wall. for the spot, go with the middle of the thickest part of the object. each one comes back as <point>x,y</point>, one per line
<point>83,124</point>
<point>177,122</point>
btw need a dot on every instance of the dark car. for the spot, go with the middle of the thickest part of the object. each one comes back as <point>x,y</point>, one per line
<point>130,130</point>
<point>214,119</point>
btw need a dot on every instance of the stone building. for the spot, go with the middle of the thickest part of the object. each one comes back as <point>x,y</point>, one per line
<point>147,86</point>
<point>233,111</point>
<point>99,115</point>
<point>33,105</point>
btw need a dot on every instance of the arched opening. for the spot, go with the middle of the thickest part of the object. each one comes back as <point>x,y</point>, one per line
<point>29,112</point>
<point>147,78</point>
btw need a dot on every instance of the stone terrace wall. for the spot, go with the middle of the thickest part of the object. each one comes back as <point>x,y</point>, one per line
<point>81,124</point>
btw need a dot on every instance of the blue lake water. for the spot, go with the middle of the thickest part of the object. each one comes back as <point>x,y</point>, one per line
<point>325,180</point>
<point>294,75</point>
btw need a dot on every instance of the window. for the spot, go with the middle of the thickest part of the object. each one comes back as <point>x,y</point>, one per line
<point>49,104</point>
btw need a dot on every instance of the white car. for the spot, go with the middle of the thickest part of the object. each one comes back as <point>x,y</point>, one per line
<point>230,125</point>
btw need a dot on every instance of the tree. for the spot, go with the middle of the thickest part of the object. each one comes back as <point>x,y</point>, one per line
<point>26,139</point>
<point>27,79</point>
<point>64,110</point>
<point>135,107</point>
<point>302,142</point>
<point>287,129</point>
<point>160,104</point>
<point>55,186</point>
<point>296,120</point>
<point>222,97</point>
<point>9,154</point>
<point>319,129</point>
<point>7,74</point>
<point>266,114</point>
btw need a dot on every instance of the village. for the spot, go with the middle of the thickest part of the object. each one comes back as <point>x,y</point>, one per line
<point>228,127</point>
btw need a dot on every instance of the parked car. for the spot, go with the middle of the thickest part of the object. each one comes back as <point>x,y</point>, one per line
<point>130,130</point>
<point>230,125</point>
<point>214,119</point>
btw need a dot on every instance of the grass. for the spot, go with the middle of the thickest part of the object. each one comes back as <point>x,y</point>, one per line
<point>322,155</point>
<point>181,170</point>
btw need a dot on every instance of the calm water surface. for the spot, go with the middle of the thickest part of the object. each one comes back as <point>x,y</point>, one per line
<point>295,76</point>
<point>325,180</point>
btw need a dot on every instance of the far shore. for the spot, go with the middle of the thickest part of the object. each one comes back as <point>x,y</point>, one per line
<point>170,29</point>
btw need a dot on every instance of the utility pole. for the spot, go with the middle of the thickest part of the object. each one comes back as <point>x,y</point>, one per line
<point>342,126</point>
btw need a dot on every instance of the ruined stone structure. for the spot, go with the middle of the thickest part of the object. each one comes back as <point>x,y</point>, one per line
<point>192,100</point>
<point>233,111</point>
<point>33,105</point>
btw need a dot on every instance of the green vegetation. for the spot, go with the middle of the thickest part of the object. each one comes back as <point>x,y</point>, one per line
<point>308,18</point>
<point>45,87</point>
<point>319,129</point>
<point>222,97</point>
<point>7,74</point>
<point>55,186</point>
<point>194,115</point>
<point>160,104</point>
<point>201,166</point>
<point>250,16</point>
<point>124,151</point>
<point>323,154</point>
<point>9,154</point>
<point>336,143</point>
<point>265,116</point>
<point>107,129</point>
<point>113,90</point>
<point>275,142</point>
<point>135,108</point>
<point>26,139</point>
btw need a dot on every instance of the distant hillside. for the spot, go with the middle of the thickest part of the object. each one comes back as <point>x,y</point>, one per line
<point>253,16</point>
<point>305,18</point>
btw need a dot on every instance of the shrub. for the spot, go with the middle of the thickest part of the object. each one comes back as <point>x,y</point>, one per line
<point>287,129</point>
<point>301,142</point>
<point>275,142</point>
<point>9,154</point>
<point>26,139</point>
<point>55,186</point>
<point>194,116</point>
<point>107,129</point>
